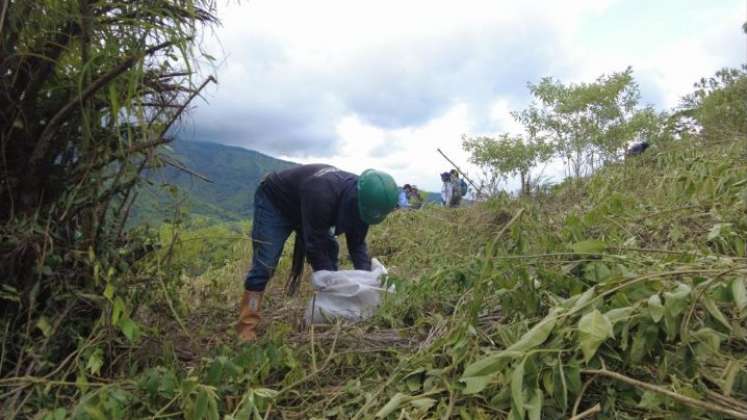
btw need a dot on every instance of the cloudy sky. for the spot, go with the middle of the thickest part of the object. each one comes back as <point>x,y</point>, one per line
<point>385,83</point>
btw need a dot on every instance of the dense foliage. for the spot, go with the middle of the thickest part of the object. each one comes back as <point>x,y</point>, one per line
<point>507,156</point>
<point>719,104</point>
<point>89,91</point>
<point>583,125</point>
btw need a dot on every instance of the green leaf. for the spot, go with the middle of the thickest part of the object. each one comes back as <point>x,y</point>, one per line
<point>95,361</point>
<point>619,314</point>
<point>109,291</point>
<point>650,400</point>
<point>475,384</point>
<point>590,246</point>
<point>716,313</point>
<point>655,308</point>
<point>535,336</point>
<point>59,414</point>
<point>531,339</point>
<point>739,294</point>
<point>423,403</point>
<point>730,374</point>
<point>129,329</point>
<point>596,272</point>
<point>397,400</point>
<point>44,326</point>
<point>534,406</point>
<point>489,365</point>
<point>710,341</point>
<point>677,300</point>
<point>517,388</point>
<point>201,405</point>
<point>579,301</point>
<point>117,310</point>
<point>593,329</point>
<point>573,377</point>
<point>82,382</point>
<point>671,325</point>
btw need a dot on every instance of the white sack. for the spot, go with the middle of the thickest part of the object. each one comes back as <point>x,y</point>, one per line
<point>351,295</point>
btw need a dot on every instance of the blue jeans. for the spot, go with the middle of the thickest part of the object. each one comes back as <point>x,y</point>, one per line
<point>270,230</point>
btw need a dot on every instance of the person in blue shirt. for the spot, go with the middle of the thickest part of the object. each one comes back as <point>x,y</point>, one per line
<point>404,197</point>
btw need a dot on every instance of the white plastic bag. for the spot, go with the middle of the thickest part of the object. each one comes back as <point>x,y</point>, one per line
<point>351,295</point>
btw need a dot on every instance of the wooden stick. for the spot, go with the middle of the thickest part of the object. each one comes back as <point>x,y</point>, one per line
<point>593,410</point>
<point>692,402</point>
<point>580,396</point>
<point>479,191</point>
<point>511,222</point>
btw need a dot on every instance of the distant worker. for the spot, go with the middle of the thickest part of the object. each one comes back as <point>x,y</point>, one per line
<point>447,189</point>
<point>637,149</point>
<point>416,198</point>
<point>456,189</point>
<point>311,199</point>
<point>404,197</point>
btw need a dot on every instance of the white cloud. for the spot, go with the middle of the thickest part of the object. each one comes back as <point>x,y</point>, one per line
<point>383,84</point>
<point>500,114</point>
<point>411,153</point>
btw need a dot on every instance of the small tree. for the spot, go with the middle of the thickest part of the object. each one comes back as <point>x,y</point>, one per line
<point>589,123</point>
<point>719,104</point>
<point>507,156</point>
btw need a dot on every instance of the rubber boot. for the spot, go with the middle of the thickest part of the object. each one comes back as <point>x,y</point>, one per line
<point>249,316</point>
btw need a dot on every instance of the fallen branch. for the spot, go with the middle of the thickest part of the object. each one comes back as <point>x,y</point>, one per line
<point>510,222</point>
<point>588,413</point>
<point>692,402</point>
<point>580,396</point>
<point>178,165</point>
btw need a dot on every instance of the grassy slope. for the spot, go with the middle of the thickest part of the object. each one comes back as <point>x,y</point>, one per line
<point>638,270</point>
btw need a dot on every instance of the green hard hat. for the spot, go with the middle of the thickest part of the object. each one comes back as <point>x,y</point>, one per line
<point>377,196</point>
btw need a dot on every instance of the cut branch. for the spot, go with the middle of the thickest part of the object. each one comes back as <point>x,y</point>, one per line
<point>692,402</point>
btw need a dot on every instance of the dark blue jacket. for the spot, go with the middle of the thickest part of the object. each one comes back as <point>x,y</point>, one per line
<point>316,198</point>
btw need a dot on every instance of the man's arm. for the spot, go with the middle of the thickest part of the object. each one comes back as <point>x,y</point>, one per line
<point>316,212</point>
<point>356,240</point>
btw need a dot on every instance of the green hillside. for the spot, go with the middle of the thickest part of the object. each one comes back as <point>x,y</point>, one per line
<point>235,173</point>
<point>622,294</point>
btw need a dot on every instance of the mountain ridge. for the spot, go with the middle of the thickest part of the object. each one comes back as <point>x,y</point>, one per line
<point>234,173</point>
